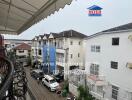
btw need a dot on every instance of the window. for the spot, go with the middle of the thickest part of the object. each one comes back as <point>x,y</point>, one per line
<point>39,52</point>
<point>71,43</point>
<point>92,48</point>
<point>44,42</point>
<point>115,92</point>
<point>78,54</point>
<point>55,44</point>
<point>115,41</point>
<point>94,69</point>
<point>21,51</point>
<point>39,42</point>
<point>114,65</point>
<point>79,42</point>
<point>47,80</point>
<point>71,55</point>
<point>6,45</point>
<point>95,48</point>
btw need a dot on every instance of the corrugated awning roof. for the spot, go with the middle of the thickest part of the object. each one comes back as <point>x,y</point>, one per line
<point>18,15</point>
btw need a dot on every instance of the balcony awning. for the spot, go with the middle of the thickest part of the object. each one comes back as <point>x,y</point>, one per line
<point>18,15</point>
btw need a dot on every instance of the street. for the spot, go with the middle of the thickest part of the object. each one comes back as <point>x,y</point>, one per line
<point>39,91</point>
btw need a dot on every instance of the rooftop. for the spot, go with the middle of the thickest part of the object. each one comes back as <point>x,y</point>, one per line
<point>23,46</point>
<point>119,28</point>
<point>67,34</point>
<point>71,33</point>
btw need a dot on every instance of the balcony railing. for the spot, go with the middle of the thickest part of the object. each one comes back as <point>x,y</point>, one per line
<point>6,72</point>
<point>13,83</point>
<point>96,79</point>
<point>60,59</point>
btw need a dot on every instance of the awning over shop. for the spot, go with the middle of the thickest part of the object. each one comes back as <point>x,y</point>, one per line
<point>18,15</point>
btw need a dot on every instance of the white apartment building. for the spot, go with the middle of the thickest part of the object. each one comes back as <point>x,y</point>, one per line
<point>69,48</point>
<point>108,62</point>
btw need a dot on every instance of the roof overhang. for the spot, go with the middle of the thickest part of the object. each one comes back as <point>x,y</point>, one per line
<point>18,15</point>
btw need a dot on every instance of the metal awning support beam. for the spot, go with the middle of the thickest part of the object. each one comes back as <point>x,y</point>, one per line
<point>8,14</point>
<point>30,4</point>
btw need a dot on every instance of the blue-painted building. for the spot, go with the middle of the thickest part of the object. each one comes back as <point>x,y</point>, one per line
<point>49,57</point>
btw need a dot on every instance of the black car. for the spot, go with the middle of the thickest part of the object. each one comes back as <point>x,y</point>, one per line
<point>59,77</point>
<point>37,74</point>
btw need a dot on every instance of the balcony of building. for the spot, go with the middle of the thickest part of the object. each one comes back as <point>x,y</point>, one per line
<point>60,60</point>
<point>77,77</point>
<point>98,80</point>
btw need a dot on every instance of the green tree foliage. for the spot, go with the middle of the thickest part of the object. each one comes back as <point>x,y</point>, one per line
<point>29,60</point>
<point>84,93</point>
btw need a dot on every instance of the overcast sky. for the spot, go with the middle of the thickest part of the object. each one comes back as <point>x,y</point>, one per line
<point>75,16</point>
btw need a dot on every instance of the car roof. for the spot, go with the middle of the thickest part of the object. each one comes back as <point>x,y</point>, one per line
<point>48,77</point>
<point>37,70</point>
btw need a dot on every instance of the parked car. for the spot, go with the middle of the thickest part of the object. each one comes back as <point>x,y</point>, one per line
<point>59,77</point>
<point>50,82</point>
<point>37,74</point>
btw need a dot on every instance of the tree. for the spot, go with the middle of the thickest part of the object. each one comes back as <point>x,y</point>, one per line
<point>84,93</point>
<point>29,60</point>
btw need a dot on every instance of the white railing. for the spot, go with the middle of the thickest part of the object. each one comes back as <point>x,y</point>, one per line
<point>61,59</point>
<point>96,77</point>
<point>97,95</point>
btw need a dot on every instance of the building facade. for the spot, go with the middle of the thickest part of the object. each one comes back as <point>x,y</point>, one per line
<point>108,63</point>
<point>23,50</point>
<point>63,50</point>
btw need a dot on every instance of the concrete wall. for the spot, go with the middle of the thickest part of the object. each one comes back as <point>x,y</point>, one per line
<point>25,53</point>
<point>122,54</point>
<point>73,89</point>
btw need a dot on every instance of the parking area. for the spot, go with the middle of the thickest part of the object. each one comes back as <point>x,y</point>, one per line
<point>39,91</point>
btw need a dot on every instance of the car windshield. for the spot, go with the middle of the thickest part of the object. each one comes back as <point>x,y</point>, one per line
<point>52,81</point>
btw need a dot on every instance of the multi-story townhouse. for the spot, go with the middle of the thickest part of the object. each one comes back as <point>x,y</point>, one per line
<point>69,50</point>
<point>64,50</point>
<point>108,62</point>
<point>37,46</point>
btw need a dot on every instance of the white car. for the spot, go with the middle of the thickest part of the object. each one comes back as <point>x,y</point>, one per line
<point>50,82</point>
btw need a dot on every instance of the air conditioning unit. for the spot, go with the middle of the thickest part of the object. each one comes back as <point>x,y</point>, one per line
<point>129,65</point>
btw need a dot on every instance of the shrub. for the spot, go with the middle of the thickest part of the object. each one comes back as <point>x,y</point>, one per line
<point>84,93</point>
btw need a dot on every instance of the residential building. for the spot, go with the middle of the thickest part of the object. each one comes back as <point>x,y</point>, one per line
<point>64,50</point>
<point>23,50</point>
<point>108,62</point>
<point>11,43</point>
<point>37,46</point>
